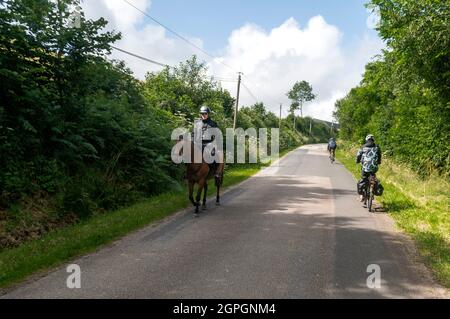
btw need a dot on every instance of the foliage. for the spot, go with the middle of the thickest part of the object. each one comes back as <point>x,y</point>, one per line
<point>300,93</point>
<point>404,96</point>
<point>184,89</point>
<point>79,135</point>
<point>75,128</point>
<point>72,241</point>
<point>419,207</point>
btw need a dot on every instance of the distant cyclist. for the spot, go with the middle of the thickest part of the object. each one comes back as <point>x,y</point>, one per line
<point>370,158</point>
<point>332,145</point>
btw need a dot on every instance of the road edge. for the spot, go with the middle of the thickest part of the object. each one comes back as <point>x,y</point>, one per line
<point>153,226</point>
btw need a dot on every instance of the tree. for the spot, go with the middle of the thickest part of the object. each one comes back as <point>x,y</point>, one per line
<point>301,93</point>
<point>184,89</point>
<point>404,96</point>
<point>78,133</point>
<point>417,31</point>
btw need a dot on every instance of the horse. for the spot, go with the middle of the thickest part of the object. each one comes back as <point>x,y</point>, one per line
<point>200,173</point>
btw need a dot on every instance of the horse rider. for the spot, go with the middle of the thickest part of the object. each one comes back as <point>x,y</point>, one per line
<point>202,126</point>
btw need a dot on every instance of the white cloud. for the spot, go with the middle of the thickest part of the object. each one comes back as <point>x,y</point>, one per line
<point>271,60</point>
<point>139,37</point>
<point>119,14</point>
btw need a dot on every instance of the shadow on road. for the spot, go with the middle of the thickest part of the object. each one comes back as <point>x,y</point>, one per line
<point>290,233</point>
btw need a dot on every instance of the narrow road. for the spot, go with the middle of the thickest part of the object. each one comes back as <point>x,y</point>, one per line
<point>295,230</point>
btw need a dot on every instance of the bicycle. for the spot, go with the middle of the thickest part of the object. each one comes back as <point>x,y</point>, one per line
<point>369,192</point>
<point>332,156</point>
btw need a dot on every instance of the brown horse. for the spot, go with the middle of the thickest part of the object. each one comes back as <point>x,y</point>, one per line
<point>200,173</point>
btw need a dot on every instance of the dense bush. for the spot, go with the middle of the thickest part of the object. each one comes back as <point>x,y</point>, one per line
<point>404,96</point>
<point>79,135</point>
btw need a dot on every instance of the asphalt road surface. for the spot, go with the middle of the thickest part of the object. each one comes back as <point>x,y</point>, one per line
<point>295,230</point>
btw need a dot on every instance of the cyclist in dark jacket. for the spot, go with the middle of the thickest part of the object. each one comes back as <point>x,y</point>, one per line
<point>332,145</point>
<point>370,158</point>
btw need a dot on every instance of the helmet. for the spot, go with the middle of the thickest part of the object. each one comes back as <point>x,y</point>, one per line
<point>370,137</point>
<point>331,139</point>
<point>205,109</point>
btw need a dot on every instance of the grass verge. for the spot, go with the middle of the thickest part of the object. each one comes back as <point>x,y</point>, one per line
<point>67,243</point>
<point>419,207</point>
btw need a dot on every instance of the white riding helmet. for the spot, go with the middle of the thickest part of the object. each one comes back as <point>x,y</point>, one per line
<point>370,137</point>
<point>205,110</point>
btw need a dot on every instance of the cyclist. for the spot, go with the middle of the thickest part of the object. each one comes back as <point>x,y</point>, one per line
<point>332,145</point>
<point>370,157</point>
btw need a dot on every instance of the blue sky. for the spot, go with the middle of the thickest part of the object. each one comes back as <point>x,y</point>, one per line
<point>275,43</point>
<point>213,21</point>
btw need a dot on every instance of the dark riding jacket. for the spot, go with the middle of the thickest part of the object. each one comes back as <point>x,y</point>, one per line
<point>202,126</point>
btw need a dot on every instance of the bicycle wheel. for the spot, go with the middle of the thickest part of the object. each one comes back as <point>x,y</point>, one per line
<point>370,202</point>
<point>366,195</point>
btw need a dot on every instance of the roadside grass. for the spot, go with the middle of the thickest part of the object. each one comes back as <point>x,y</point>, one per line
<point>59,246</point>
<point>420,207</point>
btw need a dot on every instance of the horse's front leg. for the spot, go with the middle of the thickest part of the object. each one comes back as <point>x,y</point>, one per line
<point>201,185</point>
<point>191,192</point>
<point>218,195</point>
<point>219,180</point>
<point>205,192</point>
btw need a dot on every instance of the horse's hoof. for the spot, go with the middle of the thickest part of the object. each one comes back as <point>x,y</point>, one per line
<point>203,207</point>
<point>217,204</point>
<point>196,215</point>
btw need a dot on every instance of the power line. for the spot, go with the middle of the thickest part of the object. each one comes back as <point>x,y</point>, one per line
<point>216,78</point>
<point>190,43</point>
<point>167,28</point>
<point>141,57</point>
<point>178,35</point>
<point>224,80</point>
<point>219,79</point>
<point>250,92</point>
<point>259,93</point>
<point>237,100</point>
<point>222,77</point>
<point>216,59</point>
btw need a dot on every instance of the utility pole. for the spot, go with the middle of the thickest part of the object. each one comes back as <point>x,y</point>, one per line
<point>279,125</point>
<point>237,101</point>
<point>60,52</point>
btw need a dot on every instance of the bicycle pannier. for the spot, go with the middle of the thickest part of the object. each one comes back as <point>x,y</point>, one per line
<point>379,190</point>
